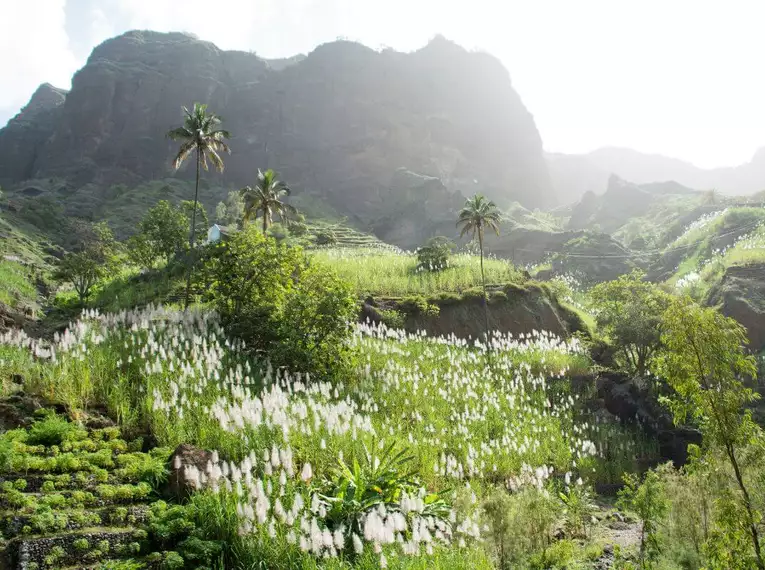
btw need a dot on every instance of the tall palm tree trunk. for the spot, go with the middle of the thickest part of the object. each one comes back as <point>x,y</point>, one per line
<point>192,237</point>
<point>485,299</point>
<point>265,221</point>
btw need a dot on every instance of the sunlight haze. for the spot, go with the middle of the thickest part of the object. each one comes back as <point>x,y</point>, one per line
<point>680,78</point>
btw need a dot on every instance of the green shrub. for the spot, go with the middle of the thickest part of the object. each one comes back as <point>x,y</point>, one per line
<point>519,525</point>
<point>81,544</point>
<point>434,255</point>
<point>558,556</point>
<point>392,318</point>
<point>447,298</point>
<point>418,305</point>
<point>53,430</point>
<point>172,561</point>
<point>326,237</point>
<point>578,509</point>
<point>648,501</point>
<point>472,293</point>
<point>281,302</point>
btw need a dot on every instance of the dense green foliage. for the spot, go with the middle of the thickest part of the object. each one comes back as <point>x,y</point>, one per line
<point>162,234</point>
<point>630,312</point>
<point>83,269</point>
<point>704,362</point>
<point>434,255</point>
<point>282,302</point>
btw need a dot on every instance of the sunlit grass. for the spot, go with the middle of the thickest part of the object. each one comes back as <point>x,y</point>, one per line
<point>16,287</point>
<point>381,272</point>
<point>697,276</point>
<point>470,420</point>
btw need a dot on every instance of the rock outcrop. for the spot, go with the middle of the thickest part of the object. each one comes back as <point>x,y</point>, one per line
<point>512,309</point>
<point>595,257</point>
<point>23,138</point>
<point>633,405</point>
<point>741,295</point>
<point>337,123</point>
<point>620,202</point>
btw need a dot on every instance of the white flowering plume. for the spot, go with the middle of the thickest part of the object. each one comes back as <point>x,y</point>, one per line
<point>464,420</point>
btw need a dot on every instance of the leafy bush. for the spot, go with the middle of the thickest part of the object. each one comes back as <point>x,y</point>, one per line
<point>629,312</point>
<point>418,305</point>
<point>434,255</point>
<point>53,430</point>
<point>281,302</point>
<point>578,509</point>
<point>176,527</point>
<point>392,318</point>
<point>520,525</point>
<point>326,237</point>
<point>648,501</point>
<point>383,480</point>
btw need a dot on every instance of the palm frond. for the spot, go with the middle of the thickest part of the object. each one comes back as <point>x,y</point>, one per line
<point>183,153</point>
<point>215,159</point>
<point>180,133</point>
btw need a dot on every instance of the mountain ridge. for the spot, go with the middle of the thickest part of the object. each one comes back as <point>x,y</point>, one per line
<point>575,174</point>
<point>337,123</point>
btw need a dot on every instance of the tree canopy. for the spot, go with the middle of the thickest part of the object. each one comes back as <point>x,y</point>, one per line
<point>265,198</point>
<point>629,313</point>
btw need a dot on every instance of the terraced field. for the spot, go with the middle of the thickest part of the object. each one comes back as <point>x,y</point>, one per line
<point>75,497</point>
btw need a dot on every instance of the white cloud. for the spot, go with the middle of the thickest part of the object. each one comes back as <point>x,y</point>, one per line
<point>35,50</point>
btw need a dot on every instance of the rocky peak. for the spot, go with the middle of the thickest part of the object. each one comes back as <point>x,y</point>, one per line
<point>45,98</point>
<point>338,122</point>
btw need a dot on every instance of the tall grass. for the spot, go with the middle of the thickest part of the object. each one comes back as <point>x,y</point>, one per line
<point>381,272</point>
<point>697,275</point>
<point>16,287</point>
<point>468,422</point>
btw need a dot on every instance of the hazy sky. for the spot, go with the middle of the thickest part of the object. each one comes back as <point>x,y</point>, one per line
<point>683,78</point>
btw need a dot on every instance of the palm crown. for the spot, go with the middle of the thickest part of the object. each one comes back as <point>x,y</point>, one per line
<point>266,197</point>
<point>477,214</point>
<point>200,132</point>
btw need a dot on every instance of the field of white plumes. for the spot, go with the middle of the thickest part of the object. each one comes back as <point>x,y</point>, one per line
<point>456,417</point>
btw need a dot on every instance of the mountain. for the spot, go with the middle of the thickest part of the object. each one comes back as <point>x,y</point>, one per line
<point>573,175</point>
<point>337,123</point>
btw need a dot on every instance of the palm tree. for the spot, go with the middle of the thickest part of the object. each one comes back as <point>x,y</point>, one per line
<point>199,133</point>
<point>477,214</point>
<point>266,197</point>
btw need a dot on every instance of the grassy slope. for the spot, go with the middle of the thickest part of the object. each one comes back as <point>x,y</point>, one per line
<point>742,230</point>
<point>390,273</point>
<point>22,259</point>
<point>463,423</point>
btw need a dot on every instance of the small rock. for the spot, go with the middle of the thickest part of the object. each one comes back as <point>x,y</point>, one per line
<point>617,516</point>
<point>618,525</point>
<point>182,481</point>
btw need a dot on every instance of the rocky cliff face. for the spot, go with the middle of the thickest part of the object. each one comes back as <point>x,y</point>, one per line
<point>26,134</point>
<point>337,123</point>
<point>741,295</point>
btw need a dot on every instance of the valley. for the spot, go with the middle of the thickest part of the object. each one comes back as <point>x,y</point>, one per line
<point>375,327</point>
